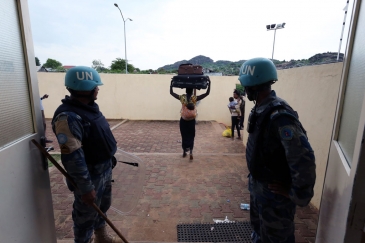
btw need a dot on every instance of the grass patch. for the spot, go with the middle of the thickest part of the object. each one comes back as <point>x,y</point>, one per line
<point>57,157</point>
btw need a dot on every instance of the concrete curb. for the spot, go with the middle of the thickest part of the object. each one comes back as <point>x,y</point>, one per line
<point>119,124</point>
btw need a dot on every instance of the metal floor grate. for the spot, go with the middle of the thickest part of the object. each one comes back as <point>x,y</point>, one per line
<point>222,232</point>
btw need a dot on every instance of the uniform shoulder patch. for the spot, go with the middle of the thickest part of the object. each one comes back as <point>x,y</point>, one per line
<point>61,138</point>
<point>286,132</point>
<point>62,117</point>
<point>67,141</point>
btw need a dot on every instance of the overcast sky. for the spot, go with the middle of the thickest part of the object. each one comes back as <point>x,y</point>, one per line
<point>165,31</point>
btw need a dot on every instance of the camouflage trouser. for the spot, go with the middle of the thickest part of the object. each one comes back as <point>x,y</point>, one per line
<point>272,215</point>
<point>85,218</point>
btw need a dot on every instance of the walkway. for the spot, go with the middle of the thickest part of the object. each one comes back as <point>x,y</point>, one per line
<point>149,201</point>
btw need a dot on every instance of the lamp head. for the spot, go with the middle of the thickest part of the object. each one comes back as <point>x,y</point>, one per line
<point>116,5</point>
<point>279,26</point>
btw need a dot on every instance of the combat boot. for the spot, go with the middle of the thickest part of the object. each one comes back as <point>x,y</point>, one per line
<point>102,236</point>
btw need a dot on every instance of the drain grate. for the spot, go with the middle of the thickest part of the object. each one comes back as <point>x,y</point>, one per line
<point>221,232</point>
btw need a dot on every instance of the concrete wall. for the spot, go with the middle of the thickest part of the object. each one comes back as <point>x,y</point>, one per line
<point>142,97</point>
<point>311,90</point>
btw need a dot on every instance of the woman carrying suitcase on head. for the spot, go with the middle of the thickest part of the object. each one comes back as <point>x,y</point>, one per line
<point>187,120</point>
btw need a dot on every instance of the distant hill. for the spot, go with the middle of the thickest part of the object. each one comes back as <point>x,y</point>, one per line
<point>232,68</point>
<point>318,59</point>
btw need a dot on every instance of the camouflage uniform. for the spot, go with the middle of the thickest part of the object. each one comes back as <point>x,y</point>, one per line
<point>70,130</point>
<point>282,154</point>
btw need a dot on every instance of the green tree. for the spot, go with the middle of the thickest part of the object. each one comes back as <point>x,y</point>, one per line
<point>144,72</point>
<point>161,71</point>
<point>60,69</point>
<point>98,66</point>
<point>276,61</point>
<point>240,88</point>
<point>37,62</point>
<point>118,65</point>
<point>51,63</point>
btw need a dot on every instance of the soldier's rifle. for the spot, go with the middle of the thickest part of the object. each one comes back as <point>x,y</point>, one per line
<point>97,209</point>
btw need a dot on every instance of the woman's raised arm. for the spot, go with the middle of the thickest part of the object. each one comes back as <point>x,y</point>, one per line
<point>176,96</point>
<point>200,97</point>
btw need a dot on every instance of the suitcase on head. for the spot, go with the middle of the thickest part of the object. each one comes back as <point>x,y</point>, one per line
<point>190,81</point>
<point>190,69</point>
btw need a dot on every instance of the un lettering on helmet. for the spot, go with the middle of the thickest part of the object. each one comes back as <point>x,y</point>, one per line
<point>82,78</point>
<point>257,71</point>
<point>246,69</point>
<point>85,76</point>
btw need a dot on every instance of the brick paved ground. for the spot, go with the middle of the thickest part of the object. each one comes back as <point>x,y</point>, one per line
<point>149,201</point>
<point>164,137</point>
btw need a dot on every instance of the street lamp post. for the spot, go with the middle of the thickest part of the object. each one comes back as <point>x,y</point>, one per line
<point>274,27</point>
<point>125,39</point>
<point>343,27</point>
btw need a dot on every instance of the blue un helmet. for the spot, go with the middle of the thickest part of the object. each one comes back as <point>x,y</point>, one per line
<point>257,71</point>
<point>82,78</point>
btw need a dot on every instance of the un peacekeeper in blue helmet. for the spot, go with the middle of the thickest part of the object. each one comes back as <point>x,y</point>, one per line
<point>279,157</point>
<point>87,148</point>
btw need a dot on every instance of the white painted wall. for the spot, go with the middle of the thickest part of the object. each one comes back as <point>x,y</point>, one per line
<point>142,96</point>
